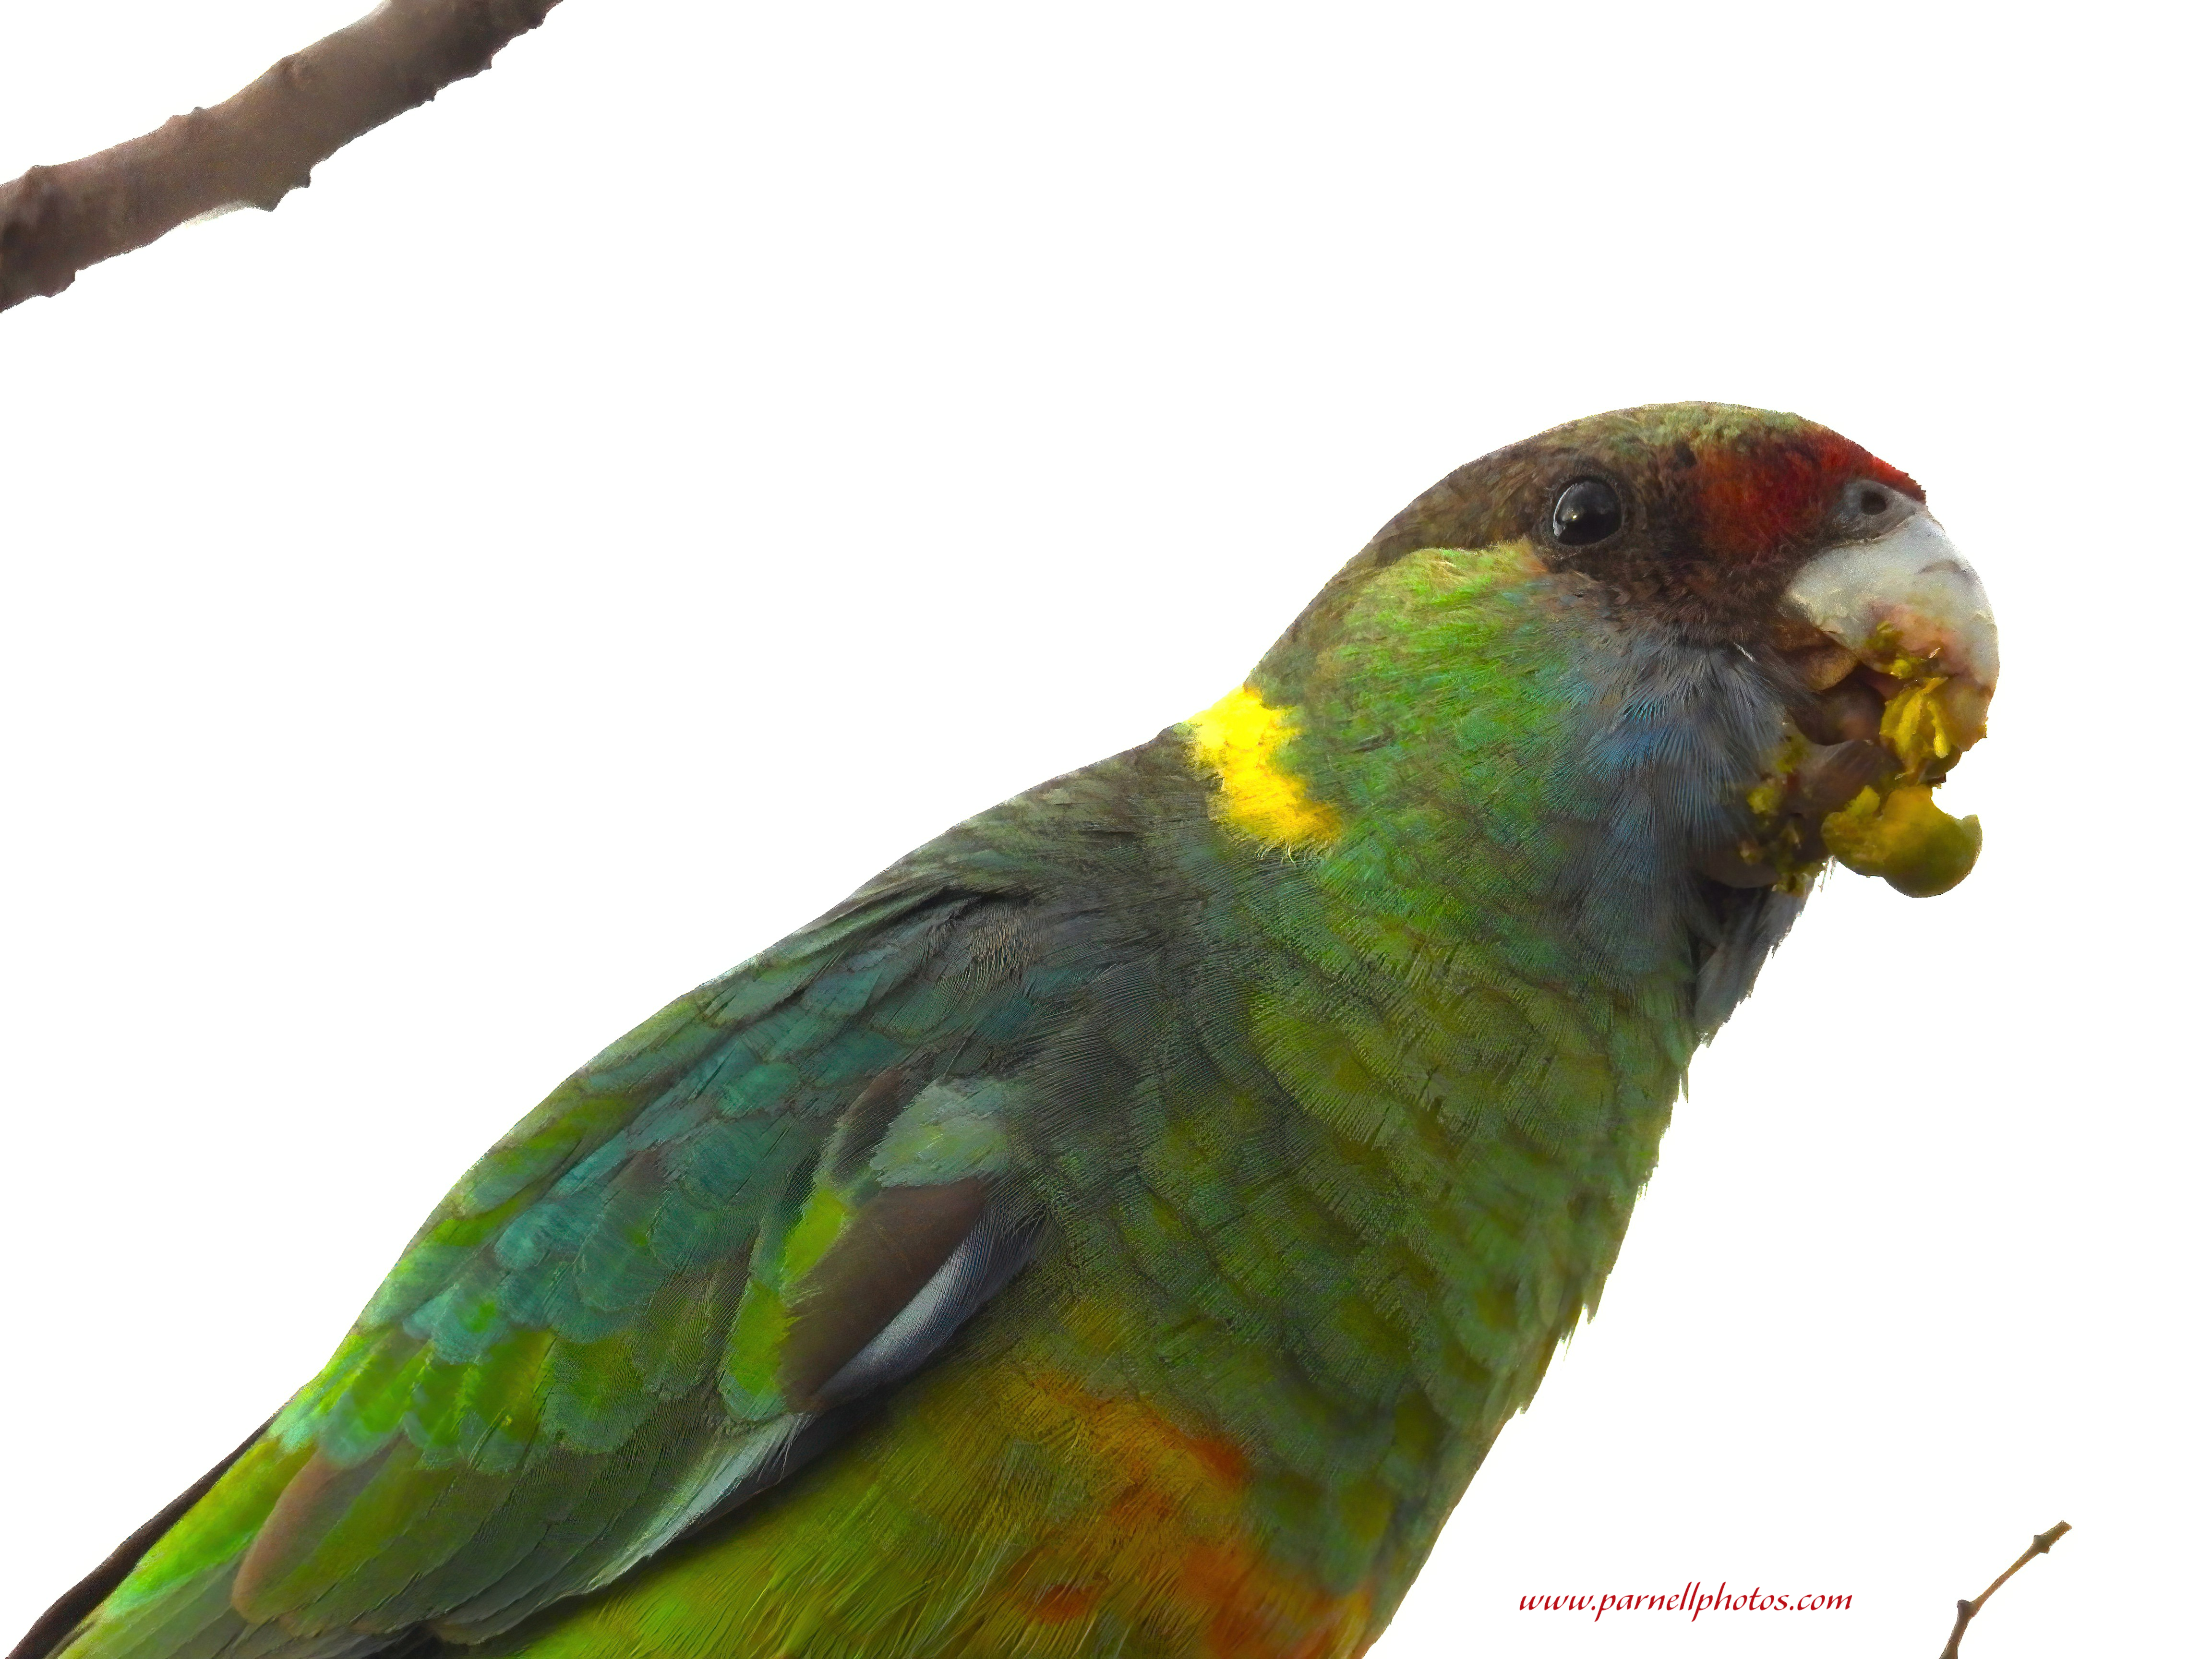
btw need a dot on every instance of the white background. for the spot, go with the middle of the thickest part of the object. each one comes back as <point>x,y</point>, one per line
<point>621,505</point>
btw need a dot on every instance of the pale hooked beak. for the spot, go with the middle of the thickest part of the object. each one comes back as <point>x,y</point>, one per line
<point>1893,641</point>
<point>1906,605</point>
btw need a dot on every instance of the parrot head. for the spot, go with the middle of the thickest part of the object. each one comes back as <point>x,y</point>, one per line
<point>1741,536</point>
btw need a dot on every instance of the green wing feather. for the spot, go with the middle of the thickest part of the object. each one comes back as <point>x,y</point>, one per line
<point>631,1311</point>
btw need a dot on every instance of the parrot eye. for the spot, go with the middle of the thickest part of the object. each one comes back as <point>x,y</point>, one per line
<point>1587,511</point>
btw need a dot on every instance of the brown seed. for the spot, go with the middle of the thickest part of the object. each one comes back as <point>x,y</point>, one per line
<point>1850,712</point>
<point>1834,773</point>
<point>1794,634</point>
<point>1825,664</point>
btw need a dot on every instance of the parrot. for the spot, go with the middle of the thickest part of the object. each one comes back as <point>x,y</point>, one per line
<point>1123,1226</point>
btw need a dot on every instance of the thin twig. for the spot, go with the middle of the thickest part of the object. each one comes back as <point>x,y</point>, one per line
<point>2042,1545</point>
<point>250,149</point>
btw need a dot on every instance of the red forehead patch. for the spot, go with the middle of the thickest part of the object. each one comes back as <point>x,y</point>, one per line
<point>1758,494</point>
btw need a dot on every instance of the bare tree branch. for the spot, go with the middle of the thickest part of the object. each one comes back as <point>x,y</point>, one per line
<point>2042,1545</point>
<point>250,149</point>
